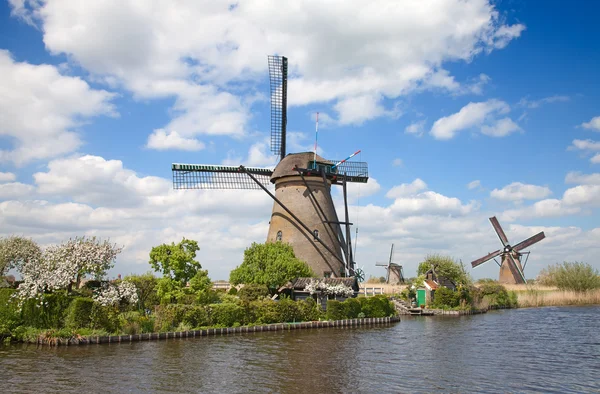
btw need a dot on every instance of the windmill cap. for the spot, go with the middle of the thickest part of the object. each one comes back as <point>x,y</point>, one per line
<point>293,160</point>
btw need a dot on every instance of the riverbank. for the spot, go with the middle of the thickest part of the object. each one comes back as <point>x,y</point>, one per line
<point>539,298</point>
<point>102,339</point>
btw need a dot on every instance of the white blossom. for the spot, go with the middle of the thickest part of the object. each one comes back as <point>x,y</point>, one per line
<point>317,286</point>
<point>111,294</point>
<point>61,266</point>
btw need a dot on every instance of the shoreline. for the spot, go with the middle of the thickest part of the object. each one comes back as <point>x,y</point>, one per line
<point>208,332</point>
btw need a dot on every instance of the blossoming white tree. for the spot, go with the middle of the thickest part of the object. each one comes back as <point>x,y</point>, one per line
<point>320,288</point>
<point>62,266</point>
<point>111,294</point>
<point>16,251</point>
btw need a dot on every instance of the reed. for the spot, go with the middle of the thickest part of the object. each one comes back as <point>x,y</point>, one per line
<point>537,298</point>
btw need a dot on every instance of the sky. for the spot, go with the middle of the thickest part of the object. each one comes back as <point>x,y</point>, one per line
<point>463,109</point>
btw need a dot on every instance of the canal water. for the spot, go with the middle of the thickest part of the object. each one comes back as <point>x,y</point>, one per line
<point>549,350</point>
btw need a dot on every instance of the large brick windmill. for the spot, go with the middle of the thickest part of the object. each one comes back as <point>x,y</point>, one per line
<point>303,211</point>
<point>511,270</point>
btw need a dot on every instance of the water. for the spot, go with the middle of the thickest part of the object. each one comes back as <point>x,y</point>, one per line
<point>550,350</point>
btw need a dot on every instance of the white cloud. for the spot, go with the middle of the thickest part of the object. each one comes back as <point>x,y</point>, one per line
<point>407,189</point>
<point>481,115</point>
<point>41,110</point>
<point>586,145</point>
<point>397,162</point>
<point>518,191</point>
<point>14,190</point>
<point>531,104</point>
<point>582,195</point>
<point>431,203</point>
<point>593,124</point>
<point>595,159</point>
<point>161,140</point>
<point>577,177</point>
<point>476,184</point>
<point>541,209</point>
<point>161,53</point>
<point>7,177</point>
<point>416,128</point>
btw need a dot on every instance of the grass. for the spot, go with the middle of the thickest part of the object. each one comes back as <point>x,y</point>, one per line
<point>536,298</point>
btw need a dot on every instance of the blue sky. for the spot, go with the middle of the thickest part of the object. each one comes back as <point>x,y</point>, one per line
<point>98,101</point>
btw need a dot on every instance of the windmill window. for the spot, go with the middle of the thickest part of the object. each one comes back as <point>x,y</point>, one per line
<point>316,234</point>
<point>279,235</point>
<point>327,274</point>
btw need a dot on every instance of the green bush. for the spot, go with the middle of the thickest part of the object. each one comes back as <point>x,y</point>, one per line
<point>78,315</point>
<point>336,310</point>
<point>377,306</point>
<point>253,292</point>
<point>310,310</point>
<point>10,318</point>
<point>444,298</point>
<point>353,308</point>
<point>51,312</point>
<point>288,310</point>
<point>196,316</point>
<point>105,318</point>
<point>576,276</point>
<point>233,291</point>
<point>167,317</point>
<point>226,315</point>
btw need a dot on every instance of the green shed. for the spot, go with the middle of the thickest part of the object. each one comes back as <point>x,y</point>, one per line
<point>421,296</point>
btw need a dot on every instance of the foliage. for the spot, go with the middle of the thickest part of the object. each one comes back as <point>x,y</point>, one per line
<point>445,298</point>
<point>496,294</point>
<point>112,294</point>
<point>309,310</point>
<point>446,267</point>
<point>183,279</point>
<point>271,264</point>
<point>253,292</point>
<point>226,315</point>
<point>176,261</point>
<point>353,308</point>
<point>145,285</point>
<point>10,317</point>
<point>336,310</point>
<point>376,306</point>
<point>63,266</point>
<point>47,311</point>
<point>16,251</point>
<point>576,276</point>
<point>104,318</point>
<point>79,312</point>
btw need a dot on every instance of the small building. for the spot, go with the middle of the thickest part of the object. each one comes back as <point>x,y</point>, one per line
<point>295,289</point>
<point>426,293</point>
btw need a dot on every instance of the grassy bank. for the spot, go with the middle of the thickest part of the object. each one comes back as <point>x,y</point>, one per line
<point>537,298</point>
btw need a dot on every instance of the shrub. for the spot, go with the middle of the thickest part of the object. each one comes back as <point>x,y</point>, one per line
<point>79,313</point>
<point>336,310</point>
<point>253,292</point>
<point>377,306</point>
<point>104,318</point>
<point>445,298</point>
<point>50,314</point>
<point>196,316</point>
<point>288,310</point>
<point>167,317</point>
<point>9,313</point>
<point>226,315</point>
<point>310,310</point>
<point>130,323</point>
<point>233,291</point>
<point>352,308</point>
<point>576,276</point>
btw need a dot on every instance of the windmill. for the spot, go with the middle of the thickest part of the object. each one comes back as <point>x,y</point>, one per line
<point>395,273</point>
<point>511,270</point>
<point>303,212</point>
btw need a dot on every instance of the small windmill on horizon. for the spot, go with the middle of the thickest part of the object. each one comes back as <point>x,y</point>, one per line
<point>303,212</point>
<point>394,272</point>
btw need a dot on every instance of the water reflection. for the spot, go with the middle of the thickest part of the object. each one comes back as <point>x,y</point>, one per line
<point>528,350</point>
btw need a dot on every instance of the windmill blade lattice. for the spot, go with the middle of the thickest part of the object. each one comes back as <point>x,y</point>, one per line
<point>198,176</point>
<point>278,74</point>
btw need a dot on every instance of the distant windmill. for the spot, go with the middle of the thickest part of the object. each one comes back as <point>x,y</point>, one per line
<point>511,270</point>
<point>303,211</point>
<point>395,273</point>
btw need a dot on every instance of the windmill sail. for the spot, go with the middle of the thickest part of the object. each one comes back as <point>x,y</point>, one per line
<point>278,72</point>
<point>199,176</point>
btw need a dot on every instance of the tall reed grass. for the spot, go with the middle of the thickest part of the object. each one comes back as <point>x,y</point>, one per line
<point>535,298</point>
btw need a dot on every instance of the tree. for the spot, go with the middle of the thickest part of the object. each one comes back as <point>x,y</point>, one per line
<point>272,264</point>
<point>446,267</point>
<point>62,266</point>
<point>574,276</point>
<point>16,251</point>
<point>179,267</point>
<point>146,289</point>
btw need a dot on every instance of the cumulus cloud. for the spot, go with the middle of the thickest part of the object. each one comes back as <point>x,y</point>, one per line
<point>407,189</point>
<point>593,124</point>
<point>162,53</point>
<point>42,110</point>
<point>7,176</point>
<point>162,140</point>
<point>14,190</point>
<point>416,128</point>
<point>585,145</point>
<point>541,209</point>
<point>482,116</point>
<point>518,191</point>
<point>577,177</point>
